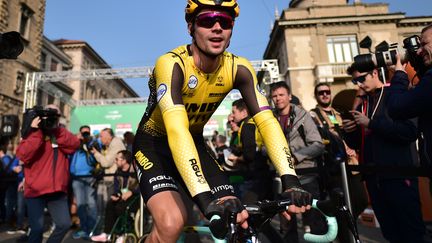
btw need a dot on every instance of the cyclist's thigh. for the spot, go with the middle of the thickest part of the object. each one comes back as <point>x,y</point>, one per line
<point>213,172</point>
<point>154,165</point>
<point>167,206</point>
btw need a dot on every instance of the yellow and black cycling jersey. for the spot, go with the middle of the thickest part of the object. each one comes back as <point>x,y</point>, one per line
<point>183,98</point>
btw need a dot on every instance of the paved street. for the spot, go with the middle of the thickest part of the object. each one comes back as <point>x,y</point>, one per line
<point>367,234</point>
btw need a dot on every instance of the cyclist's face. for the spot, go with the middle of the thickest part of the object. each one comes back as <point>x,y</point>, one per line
<point>212,31</point>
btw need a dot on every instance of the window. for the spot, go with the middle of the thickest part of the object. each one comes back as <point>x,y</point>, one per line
<point>43,61</point>
<point>342,48</point>
<point>24,27</point>
<point>19,83</point>
<point>54,65</point>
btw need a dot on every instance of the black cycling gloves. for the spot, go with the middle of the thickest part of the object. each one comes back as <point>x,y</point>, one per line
<point>292,190</point>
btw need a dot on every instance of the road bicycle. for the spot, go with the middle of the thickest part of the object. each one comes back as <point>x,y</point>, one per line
<point>224,229</point>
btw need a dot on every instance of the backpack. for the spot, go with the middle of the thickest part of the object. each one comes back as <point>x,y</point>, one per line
<point>334,146</point>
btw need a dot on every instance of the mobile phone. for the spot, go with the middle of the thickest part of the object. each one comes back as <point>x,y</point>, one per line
<point>347,115</point>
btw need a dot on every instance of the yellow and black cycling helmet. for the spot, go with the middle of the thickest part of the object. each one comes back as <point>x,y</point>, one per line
<point>194,6</point>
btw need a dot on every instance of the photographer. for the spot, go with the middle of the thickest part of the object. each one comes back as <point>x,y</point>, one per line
<point>44,150</point>
<point>107,160</point>
<point>408,103</point>
<point>83,184</point>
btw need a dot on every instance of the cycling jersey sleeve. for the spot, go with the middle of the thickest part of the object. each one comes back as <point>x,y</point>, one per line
<point>169,79</point>
<point>271,132</point>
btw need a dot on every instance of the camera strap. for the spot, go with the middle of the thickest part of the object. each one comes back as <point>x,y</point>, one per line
<point>55,149</point>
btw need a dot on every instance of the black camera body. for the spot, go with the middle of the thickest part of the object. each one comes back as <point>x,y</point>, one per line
<point>94,144</point>
<point>407,53</point>
<point>49,119</point>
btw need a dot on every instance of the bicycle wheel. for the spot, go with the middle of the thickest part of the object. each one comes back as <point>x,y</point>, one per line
<point>130,238</point>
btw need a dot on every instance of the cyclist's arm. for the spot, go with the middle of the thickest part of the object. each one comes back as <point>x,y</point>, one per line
<point>274,140</point>
<point>169,79</point>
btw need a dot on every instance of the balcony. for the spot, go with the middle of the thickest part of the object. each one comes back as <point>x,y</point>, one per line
<point>326,72</point>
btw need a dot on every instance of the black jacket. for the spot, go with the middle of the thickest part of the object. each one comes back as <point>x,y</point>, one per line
<point>388,142</point>
<point>417,102</point>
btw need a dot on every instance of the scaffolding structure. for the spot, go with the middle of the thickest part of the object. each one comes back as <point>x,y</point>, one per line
<point>44,80</point>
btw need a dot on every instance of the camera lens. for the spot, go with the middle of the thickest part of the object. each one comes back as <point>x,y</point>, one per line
<point>85,134</point>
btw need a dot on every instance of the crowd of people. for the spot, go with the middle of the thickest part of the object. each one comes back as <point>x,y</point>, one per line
<point>67,174</point>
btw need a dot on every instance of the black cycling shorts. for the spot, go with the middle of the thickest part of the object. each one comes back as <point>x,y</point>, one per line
<point>157,172</point>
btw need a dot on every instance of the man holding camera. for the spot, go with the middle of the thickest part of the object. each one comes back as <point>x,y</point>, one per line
<point>83,184</point>
<point>408,103</point>
<point>106,158</point>
<point>383,141</point>
<point>44,150</point>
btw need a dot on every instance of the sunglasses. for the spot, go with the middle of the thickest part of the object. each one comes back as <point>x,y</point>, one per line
<point>360,79</point>
<point>209,19</point>
<point>324,92</point>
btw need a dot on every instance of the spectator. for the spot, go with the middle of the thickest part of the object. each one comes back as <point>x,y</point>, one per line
<point>83,184</point>
<point>253,161</point>
<point>384,141</point>
<point>107,160</point>
<point>128,138</point>
<point>44,151</point>
<point>306,146</point>
<point>8,185</point>
<point>329,123</point>
<point>407,103</point>
<point>220,147</point>
<point>18,200</point>
<point>125,191</point>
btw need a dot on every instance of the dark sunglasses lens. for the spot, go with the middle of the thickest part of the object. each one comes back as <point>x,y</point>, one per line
<point>360,79</point>
<point>322,92</point>
<point>209,20</point>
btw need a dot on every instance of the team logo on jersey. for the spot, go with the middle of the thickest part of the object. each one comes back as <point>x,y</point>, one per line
<point>162,89</point>
<point>261,91</point>
<point>193,82</point>
<point>220,81</point>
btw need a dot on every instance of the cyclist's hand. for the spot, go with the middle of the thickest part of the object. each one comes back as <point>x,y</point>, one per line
<point>300,198</point>
<point>223,207</point>
<point>242,215</point>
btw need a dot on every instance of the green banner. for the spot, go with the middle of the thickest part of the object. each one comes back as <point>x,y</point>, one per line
<point>125,117</point>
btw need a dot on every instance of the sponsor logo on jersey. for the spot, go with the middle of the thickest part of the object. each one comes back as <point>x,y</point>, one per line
<point>261,91</point>
<point>198,173</point>
<point>213,95</point>
<point>143,161</point>
<point>193,82</point>
<point>222,188</point>
<point>289,158</point>
<point>161,178</point>
<point>162,89</point>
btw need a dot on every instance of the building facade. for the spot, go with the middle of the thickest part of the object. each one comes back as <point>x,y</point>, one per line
<point>316,40</point>
<point>27,18</point>
<point>84,57</point>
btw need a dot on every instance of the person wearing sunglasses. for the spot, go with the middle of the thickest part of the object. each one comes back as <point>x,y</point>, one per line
<point>187,85</point>
<point>329,123</point>
<point>383,141</point>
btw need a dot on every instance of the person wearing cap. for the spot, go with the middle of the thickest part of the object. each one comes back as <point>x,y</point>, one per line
<point>187,85</point>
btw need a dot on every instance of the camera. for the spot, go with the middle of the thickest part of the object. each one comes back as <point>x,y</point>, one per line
<point>387,57</point>
<point>49,119</point>
<point>11,45</point>
<point>94,144</point>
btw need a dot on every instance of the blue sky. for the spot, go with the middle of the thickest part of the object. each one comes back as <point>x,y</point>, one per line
<point>133,33</point>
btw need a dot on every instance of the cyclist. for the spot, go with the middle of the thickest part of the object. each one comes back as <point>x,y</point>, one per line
<point>187,86</point>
